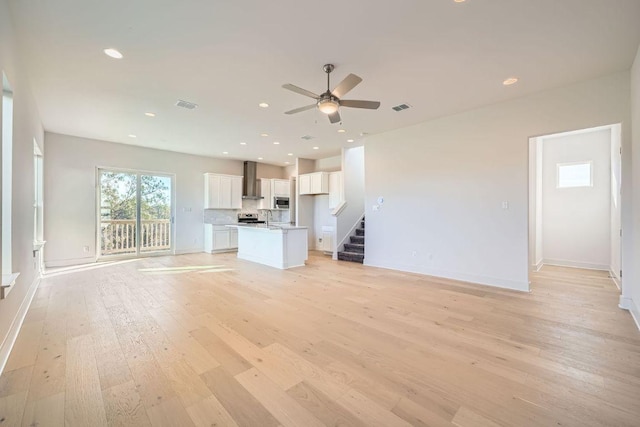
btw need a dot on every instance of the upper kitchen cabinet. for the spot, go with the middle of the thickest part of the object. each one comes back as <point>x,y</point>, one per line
<point>222,191</point>
<point>314,183</point>
<point>265,191</point>
<point>281,187</point>
<point>271,188</point>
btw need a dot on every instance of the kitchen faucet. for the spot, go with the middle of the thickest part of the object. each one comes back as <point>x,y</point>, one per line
<point>269,213</point>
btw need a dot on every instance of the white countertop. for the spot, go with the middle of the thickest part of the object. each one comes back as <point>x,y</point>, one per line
<point>271,228</point>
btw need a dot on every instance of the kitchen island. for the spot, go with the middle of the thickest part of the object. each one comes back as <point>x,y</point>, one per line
<point>282,246</point>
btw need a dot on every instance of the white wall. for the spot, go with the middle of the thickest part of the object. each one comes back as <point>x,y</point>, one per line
<point>353,174</point>
<point>539,242</point>
<point>576,222</point>
<point>536,148</point>
<point>26,127</point>
<point>305,209</point>
<point>615,203</point>
<point>322,214</point>
<point>70,192</point>
<point>630,298</point>
<point>444,182</point>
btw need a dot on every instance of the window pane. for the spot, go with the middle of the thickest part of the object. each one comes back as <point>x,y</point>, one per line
<point>574,175</point>
<point>118,213</point>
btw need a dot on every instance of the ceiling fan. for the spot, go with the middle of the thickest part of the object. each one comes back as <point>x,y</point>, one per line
<point>329,102</point>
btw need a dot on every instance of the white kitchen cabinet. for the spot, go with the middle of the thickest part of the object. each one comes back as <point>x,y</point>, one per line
<point>314,183</point>
<point>233,238</point>
<point>270,188</point>
<point>236,192</point>
<point>219,238</point>
<point>336,189</point>
<point>281,188</point>
<point>222,191</point>
<point>265,191</point>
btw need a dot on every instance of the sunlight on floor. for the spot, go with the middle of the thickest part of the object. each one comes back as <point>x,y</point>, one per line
<point>186,269</point>
<point>52,272</point>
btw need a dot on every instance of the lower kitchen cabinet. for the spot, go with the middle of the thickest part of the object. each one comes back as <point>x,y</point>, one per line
<point>218,238</point>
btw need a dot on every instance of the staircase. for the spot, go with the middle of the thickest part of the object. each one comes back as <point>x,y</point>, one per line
<point>354,250</point>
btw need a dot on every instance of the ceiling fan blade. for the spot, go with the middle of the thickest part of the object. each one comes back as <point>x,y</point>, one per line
<point>335,117</point>
<point>370,105</point>
<point>298,110</point>
<point>346,85</point>
<point>301,91</point>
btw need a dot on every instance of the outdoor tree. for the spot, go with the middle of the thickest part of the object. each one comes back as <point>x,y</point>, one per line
<point>119,204</point>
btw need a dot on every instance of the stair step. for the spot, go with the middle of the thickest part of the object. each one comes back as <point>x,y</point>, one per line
<point>354,247</point>
<point>359,231</point>
<point>357,239</point>
<point>362,224</point>
<point>351,256</point>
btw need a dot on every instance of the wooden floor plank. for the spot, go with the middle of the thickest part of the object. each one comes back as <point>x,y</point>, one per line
<point>48,411</point>
<point>83,396</point>
<point>123,406</point>
<point>281,405</point>
<point>333,343</point>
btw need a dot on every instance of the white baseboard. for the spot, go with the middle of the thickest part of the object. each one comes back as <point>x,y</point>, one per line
<point>629,304</point>
<point>615,279</point>
<point>69,262</point>
<point>10,338</point>
<point>539,265</point>
<point>462,277</point>
<point>191,251</point>
<point>575,264</point>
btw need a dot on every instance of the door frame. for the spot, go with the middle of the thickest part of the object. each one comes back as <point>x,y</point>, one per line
<point>138,173</point>
<point>533,175</point>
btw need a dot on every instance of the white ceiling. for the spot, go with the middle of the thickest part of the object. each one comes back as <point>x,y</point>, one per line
<point>439,56</point>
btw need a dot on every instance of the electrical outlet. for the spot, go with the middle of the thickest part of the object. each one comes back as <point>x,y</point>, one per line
<point>85,249</point>
<point>414,254</point>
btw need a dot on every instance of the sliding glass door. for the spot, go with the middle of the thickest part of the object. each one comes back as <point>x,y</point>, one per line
<point>135,212</point>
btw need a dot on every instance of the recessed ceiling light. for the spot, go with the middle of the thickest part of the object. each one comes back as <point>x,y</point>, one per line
<point>263,105</point>
<point>149,114</point>
<point>341,131</point>
<point>132,135</point>
<point>286,163</point>
<point>243,143</point>
<point>349,140</point>
<point>276,143</point>
<point>316,148</point>
<point>113,53</point>
<point>259,158</point>
<point>510,81</point>
<point>225,152</point>
<point>264,134</point>
<point>459,1</point>
<point>289,154</point>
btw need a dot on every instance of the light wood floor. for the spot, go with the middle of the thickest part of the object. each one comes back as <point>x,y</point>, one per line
<point>209,340</point>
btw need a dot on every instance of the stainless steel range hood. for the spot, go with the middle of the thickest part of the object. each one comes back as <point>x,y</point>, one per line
<point>250,182</point>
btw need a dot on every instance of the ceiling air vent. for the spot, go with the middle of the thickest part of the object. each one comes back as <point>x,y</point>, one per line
<point>306,137</point>
<point>186,104</point>
<point>401,107</point>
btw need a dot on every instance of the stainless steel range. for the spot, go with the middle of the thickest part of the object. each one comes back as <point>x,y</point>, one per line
<point>249,218</point>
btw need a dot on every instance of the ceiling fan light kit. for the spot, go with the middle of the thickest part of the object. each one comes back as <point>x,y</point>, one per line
<point>328,105</point>
<point>329,102</point>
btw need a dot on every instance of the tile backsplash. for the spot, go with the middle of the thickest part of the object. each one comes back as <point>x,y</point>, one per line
<point>220,216</point>
<point>230,216</point>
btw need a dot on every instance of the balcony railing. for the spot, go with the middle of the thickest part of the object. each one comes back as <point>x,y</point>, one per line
<point>118,236</point>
